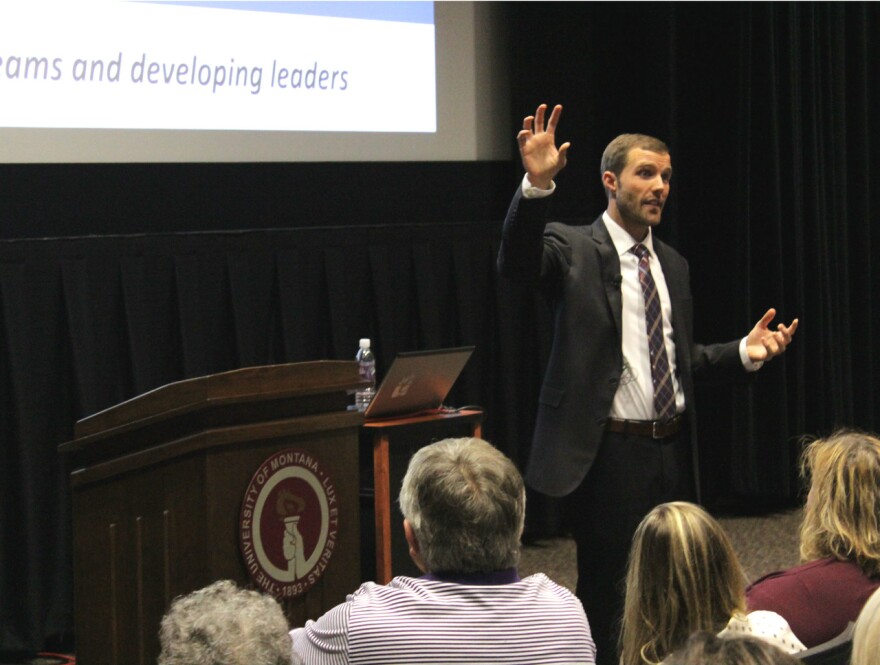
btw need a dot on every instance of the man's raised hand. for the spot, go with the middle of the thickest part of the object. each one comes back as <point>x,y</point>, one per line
<point>541,158</point>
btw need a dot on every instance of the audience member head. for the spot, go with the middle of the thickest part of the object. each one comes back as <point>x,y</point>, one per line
<point>224,625</point>
<point>866,637</point>
<point>683,576</point>
<point>463,504</point>
<point>842,512</point>
<point>706,648</point>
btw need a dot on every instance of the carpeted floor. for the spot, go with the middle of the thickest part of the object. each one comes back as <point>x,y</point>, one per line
<point>763,544</point>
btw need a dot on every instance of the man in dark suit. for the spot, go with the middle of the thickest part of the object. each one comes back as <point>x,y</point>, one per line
<point>616,427</point>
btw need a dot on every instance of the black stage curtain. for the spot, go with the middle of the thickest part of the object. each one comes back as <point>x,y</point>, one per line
<point>87,323</point>
<point>768,111</point>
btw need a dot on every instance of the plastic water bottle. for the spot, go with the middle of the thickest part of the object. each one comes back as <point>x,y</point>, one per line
<point>367,369</point>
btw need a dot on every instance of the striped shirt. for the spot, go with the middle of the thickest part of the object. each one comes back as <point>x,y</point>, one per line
<point>422,620</point>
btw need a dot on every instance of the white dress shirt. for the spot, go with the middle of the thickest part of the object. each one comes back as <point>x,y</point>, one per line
<point>634,399</point>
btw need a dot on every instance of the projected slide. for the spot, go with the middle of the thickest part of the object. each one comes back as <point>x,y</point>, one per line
<point>214,65</point>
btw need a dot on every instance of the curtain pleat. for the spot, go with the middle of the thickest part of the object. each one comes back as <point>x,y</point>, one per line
<point>251,290</point>
<point>189,331</point>
<point>149,305</point>
<point>38,408</point>
<point>394,294</point>
<point>302,292</point>
<point>428,278</point>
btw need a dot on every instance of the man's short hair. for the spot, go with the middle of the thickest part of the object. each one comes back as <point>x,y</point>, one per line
<point>465,502</point>
<point>224,625</point>
<point>617,152</point>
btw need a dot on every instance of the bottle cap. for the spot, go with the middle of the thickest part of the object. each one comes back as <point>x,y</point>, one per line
<point>365,343</point>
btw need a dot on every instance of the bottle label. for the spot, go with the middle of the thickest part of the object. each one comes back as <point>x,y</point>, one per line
<point>362,398</point>
<point>367,370</point>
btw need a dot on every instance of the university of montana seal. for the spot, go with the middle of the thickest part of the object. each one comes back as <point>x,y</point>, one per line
<point>288,523</point>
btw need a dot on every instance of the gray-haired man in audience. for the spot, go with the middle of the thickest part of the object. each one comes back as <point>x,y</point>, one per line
<point>224,625</point>
<point>463,504</point>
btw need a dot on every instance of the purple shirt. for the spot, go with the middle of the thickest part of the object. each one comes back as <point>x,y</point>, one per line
<point>817,598</point>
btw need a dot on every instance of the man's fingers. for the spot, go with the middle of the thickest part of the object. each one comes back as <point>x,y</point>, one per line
<point>787,332</point>
<point>535,123</point>
<point>767,318</point>
<point>539,118</point>
<point>563,154</point>
<point>554,119</point>
<point>771,345</point>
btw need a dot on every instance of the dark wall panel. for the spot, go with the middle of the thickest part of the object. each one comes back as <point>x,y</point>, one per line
<point>61,200</point>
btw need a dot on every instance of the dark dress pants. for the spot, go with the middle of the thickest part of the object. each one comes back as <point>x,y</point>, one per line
<point>631,475</point>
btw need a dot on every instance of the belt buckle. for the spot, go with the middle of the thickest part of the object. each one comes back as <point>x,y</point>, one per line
<point>654,433</point>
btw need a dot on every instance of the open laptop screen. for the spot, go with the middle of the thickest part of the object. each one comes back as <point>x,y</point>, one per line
<point>418,381</point>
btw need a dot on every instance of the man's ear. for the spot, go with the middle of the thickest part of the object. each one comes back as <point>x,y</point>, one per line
<point>609,181</point>
<point>415,552</point>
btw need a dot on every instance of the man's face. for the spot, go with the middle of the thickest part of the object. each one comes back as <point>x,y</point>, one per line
<point>641,189</point>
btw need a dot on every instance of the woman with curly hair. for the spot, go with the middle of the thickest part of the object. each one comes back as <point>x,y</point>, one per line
<point>705,648</point>
<point>683,576</point>
<point>223,624</point>
<point>840,541</point>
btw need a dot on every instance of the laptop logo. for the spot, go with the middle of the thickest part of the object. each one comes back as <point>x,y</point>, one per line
<point>403,387</point>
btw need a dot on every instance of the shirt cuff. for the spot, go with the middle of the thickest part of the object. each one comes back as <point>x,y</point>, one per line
<point>529,191</point>
<point>749,364</point>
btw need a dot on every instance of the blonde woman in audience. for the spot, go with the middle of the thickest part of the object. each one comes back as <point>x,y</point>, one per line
<point>683,577</point>
<point>705,648</point>
<point>866,637</point>
<point>840,541</point>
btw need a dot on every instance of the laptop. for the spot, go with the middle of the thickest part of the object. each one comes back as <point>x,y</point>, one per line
<point>417,382</point>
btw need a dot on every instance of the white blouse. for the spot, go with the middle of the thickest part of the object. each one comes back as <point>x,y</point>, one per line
<point>768,626</point>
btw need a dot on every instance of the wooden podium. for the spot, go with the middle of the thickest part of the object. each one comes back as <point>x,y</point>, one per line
<point>159,487</point>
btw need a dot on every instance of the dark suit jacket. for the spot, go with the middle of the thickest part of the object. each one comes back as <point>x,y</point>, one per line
<point>578,270</point>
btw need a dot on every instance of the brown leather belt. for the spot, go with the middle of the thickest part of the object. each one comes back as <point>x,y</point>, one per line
<point>653,429</point>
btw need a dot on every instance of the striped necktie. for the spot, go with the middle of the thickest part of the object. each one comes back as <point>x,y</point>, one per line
<point>661,376</point>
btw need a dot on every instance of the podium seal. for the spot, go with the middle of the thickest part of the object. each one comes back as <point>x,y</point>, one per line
<point>288,523</point>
